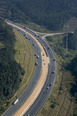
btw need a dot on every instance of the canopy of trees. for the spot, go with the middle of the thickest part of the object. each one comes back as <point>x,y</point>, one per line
<point>73,68</point>
<point>49,13</point>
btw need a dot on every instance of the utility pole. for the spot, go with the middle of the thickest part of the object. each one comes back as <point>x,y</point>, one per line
<point>67,38</point>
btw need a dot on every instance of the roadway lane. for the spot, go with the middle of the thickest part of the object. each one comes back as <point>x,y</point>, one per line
<point>34,109</point>
<point>46,90</point>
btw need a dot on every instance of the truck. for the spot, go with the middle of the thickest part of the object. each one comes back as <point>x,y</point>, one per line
<point>15,101</point>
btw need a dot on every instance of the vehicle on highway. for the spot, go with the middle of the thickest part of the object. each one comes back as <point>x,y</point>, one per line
<point>48,48</point>
<point>24,27</point>
<point>33,44</point>
<point>54,60</point>
<point>15,101</point>
<point>36,63</point>
<point>47,87</point>
<point>53,72</point>
<point>37,56</point>
<point>37,35</point>
<point>50,84</point>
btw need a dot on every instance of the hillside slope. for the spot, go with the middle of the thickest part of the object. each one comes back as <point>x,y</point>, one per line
<point>51,14</point>
<point>10,70</point>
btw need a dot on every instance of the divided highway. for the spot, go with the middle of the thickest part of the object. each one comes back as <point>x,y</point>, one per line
<point>50,77</point>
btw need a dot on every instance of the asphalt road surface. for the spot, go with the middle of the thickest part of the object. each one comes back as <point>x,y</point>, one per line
<point>46,90</point>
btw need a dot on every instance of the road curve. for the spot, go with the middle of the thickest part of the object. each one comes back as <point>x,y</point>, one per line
<point>41,91</point>
<point>41,81</point>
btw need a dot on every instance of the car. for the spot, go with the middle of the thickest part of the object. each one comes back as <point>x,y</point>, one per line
<point>37,56</point>
<point>47,87</point>
<point>36,63</point>
<point>54,60</point>
<point>37,35</point>
<point>33,44</point>
<point>48,48</point>
<point>53,72</point>
<point>50,84</point>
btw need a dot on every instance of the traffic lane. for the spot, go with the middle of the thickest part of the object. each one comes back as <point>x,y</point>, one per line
<point>51,79</point>
<point>25,28</point>
<point>49,50</point>
<point>39,39</point>
<point>29,89</point>
<point>44,43</point>
<point>51,58</point>
<point>32,41</point>
<point>42,97</point>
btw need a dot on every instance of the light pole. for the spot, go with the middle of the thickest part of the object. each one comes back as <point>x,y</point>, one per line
<point>67,38</point>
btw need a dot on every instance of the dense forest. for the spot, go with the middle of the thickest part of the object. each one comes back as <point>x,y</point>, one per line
<point>51,14</point>
<point>73,68</point>
<point>10,71</point>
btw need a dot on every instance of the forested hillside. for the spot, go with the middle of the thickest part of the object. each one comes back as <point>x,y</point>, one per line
<point>10,71</point>
<point>51,14</point>
<point>73,68</point>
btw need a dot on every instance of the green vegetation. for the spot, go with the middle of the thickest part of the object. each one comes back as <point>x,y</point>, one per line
<point>51,14</point>
<point>10,70</point>
<point>16,65</point>
<point>36,27</point>
<point>63,99</point>
<point>25,56</point>
<point>72,40</point>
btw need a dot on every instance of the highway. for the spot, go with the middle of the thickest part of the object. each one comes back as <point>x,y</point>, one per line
<point>36,106</point>
<point>34,109</point>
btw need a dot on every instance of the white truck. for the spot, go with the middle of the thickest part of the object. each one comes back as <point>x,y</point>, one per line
<point>15,101</point>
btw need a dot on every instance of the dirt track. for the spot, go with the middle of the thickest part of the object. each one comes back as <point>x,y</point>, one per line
<point>40,83</point>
